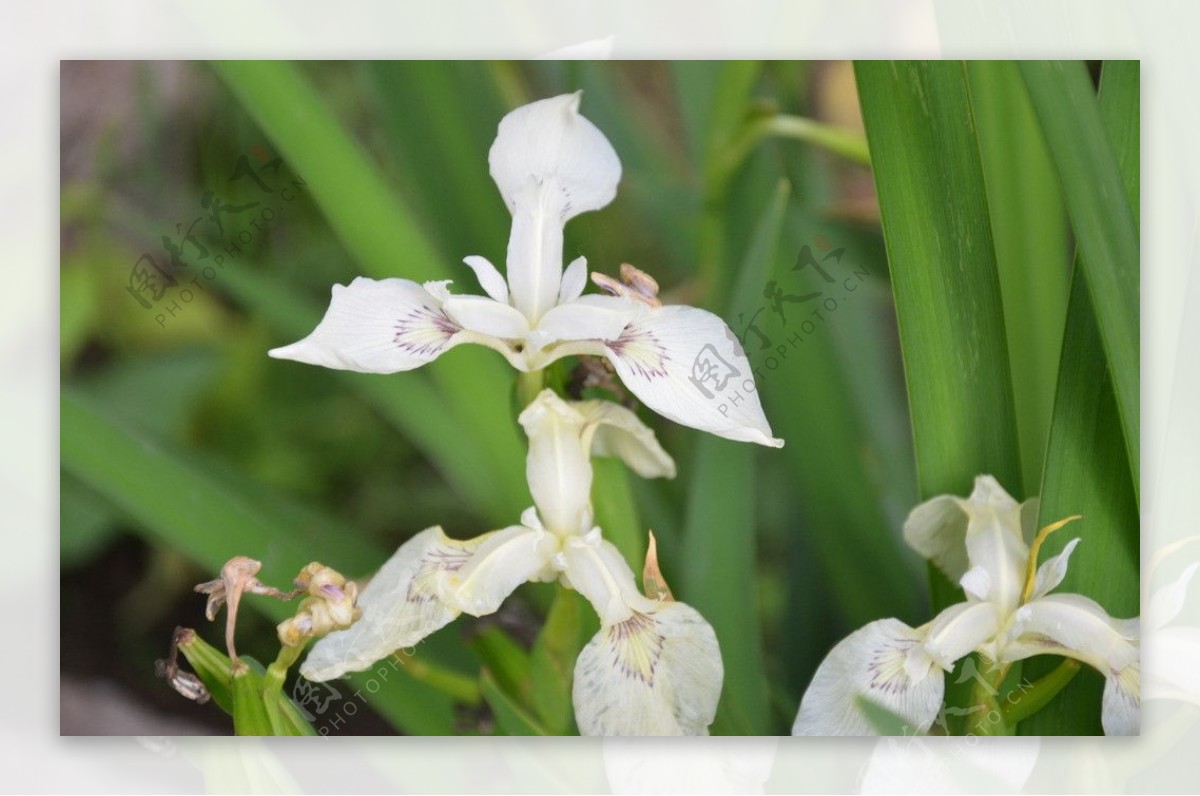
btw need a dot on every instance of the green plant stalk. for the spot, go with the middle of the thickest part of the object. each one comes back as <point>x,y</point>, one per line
<point>463,688</point>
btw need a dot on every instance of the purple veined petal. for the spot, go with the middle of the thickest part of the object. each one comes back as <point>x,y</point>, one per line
<point>883,662</point>
<point>686,364</point>
<point>377,326</point>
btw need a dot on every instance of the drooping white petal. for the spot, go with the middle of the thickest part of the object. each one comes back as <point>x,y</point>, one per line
<point>658,672</point>
<point>1053,570</point>
<point>937,529</point>
<point>401,605</point>
<point>1075,626</point>
<point>557,467</point>
<point>574,280</point>
<point>688,366</point>
<point>489,278</point>
<point>883,662</point>
<point>1121,705</point>
<point>550,164</point>
<point>377,327</point>
<point>487,317</point>
<point>616,431</point>
<point>597,570</point>
<point>1078,627</point>
<point>959,630</point>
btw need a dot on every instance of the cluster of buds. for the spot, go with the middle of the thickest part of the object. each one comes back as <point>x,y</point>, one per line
<point>331,605</point>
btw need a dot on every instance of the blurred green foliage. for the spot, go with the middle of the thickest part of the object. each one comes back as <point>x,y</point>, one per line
<point>179,430</point>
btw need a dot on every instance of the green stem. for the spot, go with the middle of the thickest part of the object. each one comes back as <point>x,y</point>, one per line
<point>1032,699</point>
<point>984,693</point>
<point>277,671</point>
<point>849,145</point>
<point>529,385</point>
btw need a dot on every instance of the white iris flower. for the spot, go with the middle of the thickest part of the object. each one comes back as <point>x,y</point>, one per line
<point>550,164</point>
<point>1009,615</point>
<point>653,669</point>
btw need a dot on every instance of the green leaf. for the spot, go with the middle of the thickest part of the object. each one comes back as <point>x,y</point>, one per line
<point>511,718</point>
<point>1029,228</point>
<point>616,513</point>
<point>1101,216</point>
<point>1087,470</point>
<point>507,660</point>
<point>934,209</point>
<point>249,712</point>
<point>933,205</point>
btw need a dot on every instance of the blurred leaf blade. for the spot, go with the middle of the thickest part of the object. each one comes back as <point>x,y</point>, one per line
<point>1070,117</point>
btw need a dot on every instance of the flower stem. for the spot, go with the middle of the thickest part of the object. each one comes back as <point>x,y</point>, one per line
<point>529,385</point>
<point>1033,698</point>
<point>277,671</point>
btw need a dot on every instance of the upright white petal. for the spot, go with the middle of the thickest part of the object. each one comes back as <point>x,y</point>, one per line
<point>563,435</point>
<point>423,587</point>
<point>550,164</point>
<point>883,662</point>
<point>489,278</point>
<point>377,327</point>
<point>400,606</point>
<point>574,280</point>
<point>658,672</point>
<point>557,466</point>
<point>688,366</point>
<point>995,540</point>
<point>1052,571</point>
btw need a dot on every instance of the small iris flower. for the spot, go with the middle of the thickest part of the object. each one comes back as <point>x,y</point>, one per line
<point>550,164</point>
<point>1009,615</point>
<point>654,668</point>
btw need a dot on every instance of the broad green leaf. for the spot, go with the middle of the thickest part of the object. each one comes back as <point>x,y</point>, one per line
<point>1087,470</point>
<point>1029,228</point>
<point>933,205</point>
<point>1104,225</point>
